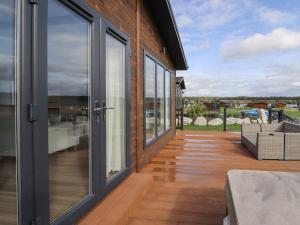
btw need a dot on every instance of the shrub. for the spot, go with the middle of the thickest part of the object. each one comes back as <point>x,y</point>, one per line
<point>194,110</point>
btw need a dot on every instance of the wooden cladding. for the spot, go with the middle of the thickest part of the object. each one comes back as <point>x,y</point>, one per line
<point>133,18</point>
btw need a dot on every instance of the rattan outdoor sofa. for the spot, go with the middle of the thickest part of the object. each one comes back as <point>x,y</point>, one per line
<point>272,141</point>
<point>263,145</point>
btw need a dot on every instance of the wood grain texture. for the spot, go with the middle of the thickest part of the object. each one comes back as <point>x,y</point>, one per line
<point>69,183</point>
<point>133,18</point>
<point>8,200</point>
<point>190,174</point>
<point>117,206</point>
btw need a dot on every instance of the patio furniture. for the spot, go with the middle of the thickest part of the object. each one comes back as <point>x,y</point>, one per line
<point>292,146</point>
<point>265,140</point>
<point>263,145</point>
<point>262,198</point>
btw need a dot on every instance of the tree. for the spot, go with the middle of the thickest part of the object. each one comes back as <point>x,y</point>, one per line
<point>194,110</point>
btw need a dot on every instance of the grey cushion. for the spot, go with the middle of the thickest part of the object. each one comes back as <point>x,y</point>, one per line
<point>291,128</point>
<point>264,197</point>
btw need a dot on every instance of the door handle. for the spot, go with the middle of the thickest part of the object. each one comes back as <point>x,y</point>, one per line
<point>105,108</point>
<point>98,109</point>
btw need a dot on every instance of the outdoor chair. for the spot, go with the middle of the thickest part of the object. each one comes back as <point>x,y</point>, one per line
<point>273,141</point>
<point>263,145</point>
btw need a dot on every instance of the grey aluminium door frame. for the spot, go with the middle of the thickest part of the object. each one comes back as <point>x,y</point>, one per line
<point>32,113</point>
<point>40,126</point>
<point>108,28</point>
<point>25,167</point>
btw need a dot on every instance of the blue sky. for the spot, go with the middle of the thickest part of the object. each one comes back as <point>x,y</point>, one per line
<point>240,47</point>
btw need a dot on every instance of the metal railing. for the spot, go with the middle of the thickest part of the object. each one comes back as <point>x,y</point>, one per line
<point>272,115</point>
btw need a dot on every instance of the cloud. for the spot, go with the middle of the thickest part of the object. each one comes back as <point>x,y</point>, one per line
<point>209,14</point>
<point>6,8</point>
<point>274,80</point>
<point>274,17</point>
<point>196,46</point>
<point>183,20</point>
<point>280,39</point>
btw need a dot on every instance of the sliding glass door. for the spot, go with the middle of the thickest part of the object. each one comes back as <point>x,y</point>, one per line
<point>64,110</point>
<point>8,107</point>
<point>69,116</point>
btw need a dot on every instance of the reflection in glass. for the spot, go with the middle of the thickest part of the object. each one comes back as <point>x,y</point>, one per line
<point>168,99</point>
<point>68,107</point>
<point>150,98</point>
<point>160,101</point>
<point>8,198</point>
<point>115,101</point>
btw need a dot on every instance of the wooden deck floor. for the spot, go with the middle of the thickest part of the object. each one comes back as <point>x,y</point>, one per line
<point>190,174</point>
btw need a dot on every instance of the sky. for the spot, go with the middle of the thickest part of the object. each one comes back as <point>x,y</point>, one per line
<point>240,47</point>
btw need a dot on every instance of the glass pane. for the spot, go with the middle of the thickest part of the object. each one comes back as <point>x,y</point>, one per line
<point>68,107</point>
<point>160,101</point>
<point>8,197</point>
<point>150,98</point>
<point>115,102</point>
<point>168,99</point>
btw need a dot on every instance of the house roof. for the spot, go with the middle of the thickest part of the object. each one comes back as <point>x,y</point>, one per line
<point>164,19</point>
<point>180,81</point>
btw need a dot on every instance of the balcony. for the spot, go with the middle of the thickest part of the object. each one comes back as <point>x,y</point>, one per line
<point>189,176</point>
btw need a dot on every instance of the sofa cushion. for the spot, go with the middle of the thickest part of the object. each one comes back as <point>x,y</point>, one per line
<point>272,127</point>
<point>291,128</point>
<point>250,128</point>
<point>251,138</point>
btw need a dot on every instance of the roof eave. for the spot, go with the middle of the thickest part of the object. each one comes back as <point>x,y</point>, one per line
<point>168,30</point>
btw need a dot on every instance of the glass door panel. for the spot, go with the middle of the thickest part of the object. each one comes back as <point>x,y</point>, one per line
<point>168,99</point>
<point>69,129</point>
<point>160,103</point>
<point>115,108</point>
<point>150,98</point>
<point>8,153</point>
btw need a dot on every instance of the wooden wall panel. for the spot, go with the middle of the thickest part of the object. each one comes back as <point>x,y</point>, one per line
<point>133,18</point>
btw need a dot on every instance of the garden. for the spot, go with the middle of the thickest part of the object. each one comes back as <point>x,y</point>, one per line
<point>200,115</point>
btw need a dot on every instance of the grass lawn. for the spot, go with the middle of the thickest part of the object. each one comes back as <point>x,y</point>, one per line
<point>234,112</point>
<point>232,127</point>
<point>292,113</point>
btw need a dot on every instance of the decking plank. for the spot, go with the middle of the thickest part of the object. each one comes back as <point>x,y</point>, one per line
<point>190,174</point>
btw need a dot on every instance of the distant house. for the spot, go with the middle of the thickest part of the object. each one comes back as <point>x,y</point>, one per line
<point>223,104</point>
<point>280,105</point>
<point>212,106</point>
<point>240,105</point>
<point>180,87</point>
<point>292,106</point>
<point>258,105</point>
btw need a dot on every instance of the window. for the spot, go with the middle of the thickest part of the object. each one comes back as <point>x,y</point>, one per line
<point>157,83</point>
<point>150,98</point>
<point>168,99</point>
<point>160,99</point>
<point>178,97</point>
<point>69,130</point>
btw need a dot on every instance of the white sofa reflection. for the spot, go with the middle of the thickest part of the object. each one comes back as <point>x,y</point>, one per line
<point>61,136</point>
